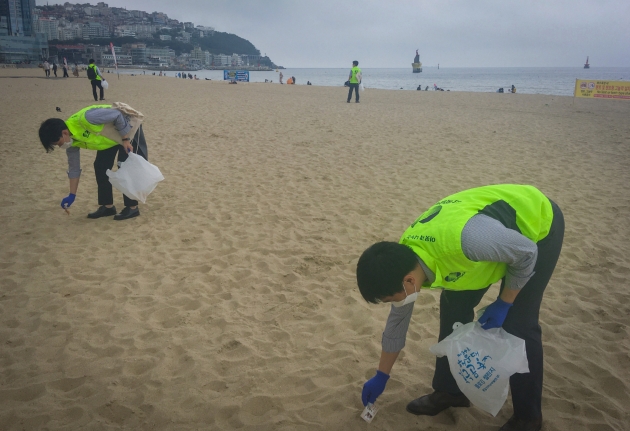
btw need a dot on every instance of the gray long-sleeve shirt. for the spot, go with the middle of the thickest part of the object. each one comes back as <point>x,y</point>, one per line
<point>483,239</point>
<point>97,116</point>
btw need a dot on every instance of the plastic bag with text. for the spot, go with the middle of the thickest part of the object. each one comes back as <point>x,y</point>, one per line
<point>482,362</point>
<point>136,177</point>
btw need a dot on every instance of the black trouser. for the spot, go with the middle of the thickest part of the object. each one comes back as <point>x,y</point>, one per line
<point>65,73</point>
<point>105,160</point>
<point>522,321</point>
<point>356,89</point>
<point>97,83</point>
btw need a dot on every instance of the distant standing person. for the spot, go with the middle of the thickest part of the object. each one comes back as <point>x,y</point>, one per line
<point>95,77</point>
<point>281,76</point>
<point>65,71</point>
<point>355,80</point>
<point>513,89</point>
<point>46,69</point>
<point>54,67</point>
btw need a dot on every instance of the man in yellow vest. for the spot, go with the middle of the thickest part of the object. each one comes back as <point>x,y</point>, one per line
<point>462,245</point>
<point>354,80</point>
<point>95,77</point>
<point>100,128</point>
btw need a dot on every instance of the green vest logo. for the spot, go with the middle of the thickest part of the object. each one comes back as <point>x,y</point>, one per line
<point>428,216</point>
<point>454,276</point>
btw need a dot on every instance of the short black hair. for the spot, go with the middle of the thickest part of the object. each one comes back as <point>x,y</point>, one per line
<point>91,60</point>
<point>356,63</point>
<point>50,132</point>
<point>382,268</point>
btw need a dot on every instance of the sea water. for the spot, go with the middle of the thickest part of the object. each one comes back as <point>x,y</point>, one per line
<point>529,80</point>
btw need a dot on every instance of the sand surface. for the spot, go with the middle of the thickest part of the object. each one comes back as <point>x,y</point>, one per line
<point>231,303</point>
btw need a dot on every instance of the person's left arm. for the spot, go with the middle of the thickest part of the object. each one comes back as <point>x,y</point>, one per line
<point>109,115</point>
<point>98,72</point>
<point>486,239</point>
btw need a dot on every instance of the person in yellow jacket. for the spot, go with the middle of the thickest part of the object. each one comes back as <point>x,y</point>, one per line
<point>105,130</point>
<point>96,79</point>
<point>462,245</point>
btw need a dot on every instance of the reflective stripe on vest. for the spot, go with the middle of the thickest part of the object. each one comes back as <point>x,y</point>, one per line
<point>87,135</point>
<point>436,235</point>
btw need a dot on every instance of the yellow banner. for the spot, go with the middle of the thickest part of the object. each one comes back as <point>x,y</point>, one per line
<point>602,89</point>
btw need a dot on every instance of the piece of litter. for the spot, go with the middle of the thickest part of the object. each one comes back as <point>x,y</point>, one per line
<point>369,412</point>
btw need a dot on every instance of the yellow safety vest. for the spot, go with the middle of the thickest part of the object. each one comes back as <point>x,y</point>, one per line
<point>87,135</point>
<point>436,236</point>
<point>353,78</point>
<point>93,66</point>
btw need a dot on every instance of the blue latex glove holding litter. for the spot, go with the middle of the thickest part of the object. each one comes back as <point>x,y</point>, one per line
<point>67,201</point>
<point>495,314</point>
<point>374,387</point>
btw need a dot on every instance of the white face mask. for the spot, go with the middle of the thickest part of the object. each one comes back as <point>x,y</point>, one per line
<point>66,145</point>
<point>408,299</point>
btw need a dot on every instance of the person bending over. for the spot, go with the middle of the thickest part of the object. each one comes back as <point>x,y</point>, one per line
<point>107,131</point>
<point>462,245</point>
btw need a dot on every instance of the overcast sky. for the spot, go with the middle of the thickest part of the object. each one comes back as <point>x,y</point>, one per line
<point>386,33</point>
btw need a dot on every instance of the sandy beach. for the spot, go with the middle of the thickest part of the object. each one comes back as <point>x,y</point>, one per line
<point>231,302</point>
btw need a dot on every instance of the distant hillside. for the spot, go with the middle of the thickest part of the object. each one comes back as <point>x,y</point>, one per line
<point>102,23</point>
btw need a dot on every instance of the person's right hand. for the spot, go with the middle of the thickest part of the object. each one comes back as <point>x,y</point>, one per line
<point>68,200</point>
<point>374,387</point>
<point>128,147</point>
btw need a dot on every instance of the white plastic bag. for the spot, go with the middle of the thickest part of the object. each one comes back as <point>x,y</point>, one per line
<point>482,362</point>
<point>361,87</point>
<point>104,84</point>
<point>136,177</point>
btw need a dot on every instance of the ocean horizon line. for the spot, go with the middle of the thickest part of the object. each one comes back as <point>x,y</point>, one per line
<point>466,67</point>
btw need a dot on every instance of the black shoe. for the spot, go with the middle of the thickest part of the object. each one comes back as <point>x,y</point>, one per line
<point>515,424</point>
<point>101,99</point>
<point>348,101</point>
<point>432,404</point>
<point>126,213</point>
<point>102,211</point>
<point>356,101</point>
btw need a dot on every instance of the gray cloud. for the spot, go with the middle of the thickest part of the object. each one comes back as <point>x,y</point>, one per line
<point>457,33</point>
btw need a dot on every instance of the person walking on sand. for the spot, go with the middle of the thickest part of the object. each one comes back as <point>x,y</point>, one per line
<point>354,80</point>
<point>46,69</point>
<point>65,70</point>
<point>462,245</point>
<point>110,130</point>
<point>54,68</point>
<point>95,77</point>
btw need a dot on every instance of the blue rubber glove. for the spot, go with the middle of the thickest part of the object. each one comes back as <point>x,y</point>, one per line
<point>374,387</point>
<point>495,314</point>
<point>67,201</point>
